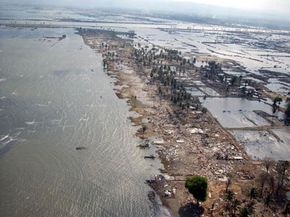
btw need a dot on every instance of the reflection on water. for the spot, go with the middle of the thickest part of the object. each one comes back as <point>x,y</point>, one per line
<point>54,97</point>
<point>261,144</point>
<point>237,112</point>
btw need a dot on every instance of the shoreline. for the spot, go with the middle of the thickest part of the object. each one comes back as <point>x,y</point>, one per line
<point>189,141</point>
<point>182,153</point>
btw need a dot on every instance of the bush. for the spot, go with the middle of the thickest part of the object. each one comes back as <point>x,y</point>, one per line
<point>287,112</point>
<point>204,110</point>
<point>253,193</point>
<point>197,186</point>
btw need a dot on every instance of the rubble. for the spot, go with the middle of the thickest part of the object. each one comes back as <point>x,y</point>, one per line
<point>159,142</point>
<point>189,140</point>
<point>196,130</point>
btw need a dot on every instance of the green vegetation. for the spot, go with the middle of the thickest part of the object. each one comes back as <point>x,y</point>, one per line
<point>232,204</point>
<point>197,186</point>
<point>167,67</point>
<point>235,207</point>
<point>268,192</point>
<point>253,193</point>
<point>276,102</point>
<point>287,114</point>
<point>247,210</point>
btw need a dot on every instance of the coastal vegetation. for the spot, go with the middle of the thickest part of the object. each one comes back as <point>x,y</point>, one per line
<point>167,73</point>
<point>276,103</point>
<point>188,135</point>
<point>287,114</point>
<point>267,192</point>
<point>197,186</point>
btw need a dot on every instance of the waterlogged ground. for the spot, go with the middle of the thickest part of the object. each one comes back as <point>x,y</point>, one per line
<point>239,116</point>
<point>252,48</point>
<point>63,103</point>
<point>54,97</point>
<point>262,144</point>
<point>237,112</point>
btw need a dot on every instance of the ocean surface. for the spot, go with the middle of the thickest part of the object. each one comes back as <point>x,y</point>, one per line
<point>54,97</point>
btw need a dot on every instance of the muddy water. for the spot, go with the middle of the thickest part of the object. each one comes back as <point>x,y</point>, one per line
<point>262,144</point>
<point>55,97</point>
<point>237,112</point>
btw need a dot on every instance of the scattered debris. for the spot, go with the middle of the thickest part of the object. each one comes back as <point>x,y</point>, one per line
<point>149,157</point>
<point>144,145</point>
<point>151,196</point>
<point>80,148</point>
<point>159,142</point>
<point>196,130</point>
<point>180,141</point>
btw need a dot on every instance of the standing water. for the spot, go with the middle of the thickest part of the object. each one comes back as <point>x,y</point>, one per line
<point>55,97</point>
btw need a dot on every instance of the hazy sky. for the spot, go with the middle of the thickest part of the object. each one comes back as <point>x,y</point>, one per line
<point>278,7</point>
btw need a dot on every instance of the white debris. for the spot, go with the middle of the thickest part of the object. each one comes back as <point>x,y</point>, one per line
<point>174,190</point>
<point>159,141</point>
<point>169,132</point>
<point>196,130</point>
<point>224,179</point>
<point>237,158</point>
<point>167,193</point>
<point>168,178</point>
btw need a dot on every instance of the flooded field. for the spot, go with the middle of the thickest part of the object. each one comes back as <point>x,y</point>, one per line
<point>238,115</point>
<point>258,54</point>
<point>262,144</point>
<point>237,112</point>
<point>253,49</point>
<point>67,146</point>
<point>54,98</point>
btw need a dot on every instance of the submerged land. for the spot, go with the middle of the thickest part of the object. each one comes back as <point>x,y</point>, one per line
<point>203,96</point>
<point>190,141</point>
